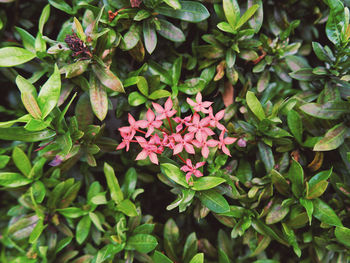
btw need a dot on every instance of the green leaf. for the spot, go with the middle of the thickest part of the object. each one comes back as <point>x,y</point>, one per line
<point>96,220</point>
<point>175,4</point>
<point>157,69</point>
<point>108,252</point>
<point>98,99</point>
<point>50,93</point>
<point>325,213</point>
<point>335,22</point>
<point>45,14</point>
<point>71,212</point>
<point>79,29</point>
<point>107,78</point>
<point>127,207</point>
<point>143,243</point>
<point>321,176</point>
<point>38,229</point>
<point>309,207</point>
<point>21,134</point>
<point>158,94</point>
<point>199,258</point>
<point>149,36</point>
<point>21,161</point>
<point>316,190</point>
<point>144,229</point>
<point>232,12</point>
<point>62,5</point>
<point>75,69</point>
<point>266,156</point>
<point>343,235</point>
<point>190,247</point>
<point>230,58</point>
<point>257,20</point>
<point>332,139</point>
<point>131,38</point>
<point>159,257</point>
<point>244,171</point>
<point>136,99</point>
<point>295,125</point>
<point>207,182</point>
<point>4,159</point>
<point>329,111</point>
<point>296,175</point>
<point>292,239</point>
<point>255,106</point>
<point>83,229</point>
<point>276,214</point>
<point>8,179</point>
<point>38,190</point>
<point>171,32</point>
<point>27,39</point>
<point>171,238</point>
<point>190,11</point>
<point>113,185</point>
<point>320,52</point>
<point>14,56</point>
<point>303,74</point>
<point>280,182</point>
<point>63,243</point>
<point>246,16</point>
<point>174,173</point>
<point>214,201</point>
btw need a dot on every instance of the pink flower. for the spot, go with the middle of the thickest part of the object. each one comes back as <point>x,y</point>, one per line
<point>214,120</point>
<point>127,137</point>
<point>184,142</point>
<point>186,121</point>
<point>165,112</point>
<point>225,141</point>
<point>204,144</point>
<point>199,106</point>
<point>148,150</point>
<point>242,143</point>
<point>150,123</point>
<point>200,127</point>
<point>190,169</point>
<point>134,125</point>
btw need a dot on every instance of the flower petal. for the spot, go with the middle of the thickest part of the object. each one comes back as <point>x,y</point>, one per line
<point>153,157</point>
<point>189,148</point>
<point>150,115</point>
<point>142,155</point>
<point>157,107</point>
<point>178,148</point>
<point>205,152</point>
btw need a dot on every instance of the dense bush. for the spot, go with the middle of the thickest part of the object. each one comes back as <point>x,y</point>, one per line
<point>175,131</point>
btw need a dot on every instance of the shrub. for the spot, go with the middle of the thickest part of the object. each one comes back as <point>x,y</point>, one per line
<point>175,131</point>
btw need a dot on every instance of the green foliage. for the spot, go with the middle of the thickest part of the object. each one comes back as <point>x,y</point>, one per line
<point>279,69</point>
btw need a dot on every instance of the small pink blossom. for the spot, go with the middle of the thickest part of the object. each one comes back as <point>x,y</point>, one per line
<point>134,125</point>
<point>150,123</point>
<point>214,120</point>
<point>184,142</point>
<point>242,143</point>
<point>204,144</point>
<point>199,106</point>
<point>165,112</point>
<point>126,140</point>
<point>190,169</point>
<point>225,141</point>
<point>200,127</point>
<point>185,121</point>
<point>148,150</point>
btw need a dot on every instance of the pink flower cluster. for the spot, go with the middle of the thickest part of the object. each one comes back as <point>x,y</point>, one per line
<point>191,131</point>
